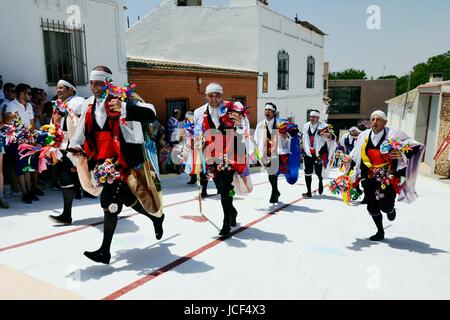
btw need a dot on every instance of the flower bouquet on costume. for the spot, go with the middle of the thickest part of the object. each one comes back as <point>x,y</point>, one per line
<point>111,91</point>
<point>386,179</point>
<point>345,185</point>
<point>345,161</point>
<point>325,128</point>
<point>122,93</point>
<point>106,173</point>
<point>63,107</point>
<point>394,144</point>
<point>45,145</point>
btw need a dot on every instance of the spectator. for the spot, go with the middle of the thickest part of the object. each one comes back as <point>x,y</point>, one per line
<point>3,203</point>
<point>173,128</point>
<point>2,95</point>
<point>22,109</point>
<point>9,90</point>
<point>10,94</point>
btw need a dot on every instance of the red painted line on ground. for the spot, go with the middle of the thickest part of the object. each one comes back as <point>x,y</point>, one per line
<point>121,292</point>
<point>59,234</point>
<point>22,244</point>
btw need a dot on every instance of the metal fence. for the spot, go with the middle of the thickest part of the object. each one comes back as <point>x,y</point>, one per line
<point>65,52</point>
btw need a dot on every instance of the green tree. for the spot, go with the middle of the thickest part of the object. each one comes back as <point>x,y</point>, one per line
<point>348,74</point>
<point>421,72</point>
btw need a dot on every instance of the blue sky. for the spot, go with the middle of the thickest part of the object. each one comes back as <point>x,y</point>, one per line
<point>411,30</point>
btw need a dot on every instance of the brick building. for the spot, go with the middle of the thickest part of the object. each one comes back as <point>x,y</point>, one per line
<point>171,86</point>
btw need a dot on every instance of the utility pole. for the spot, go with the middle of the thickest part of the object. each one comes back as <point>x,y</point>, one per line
<point>407,94</point>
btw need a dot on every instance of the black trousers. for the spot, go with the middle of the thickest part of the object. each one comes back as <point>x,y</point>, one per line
<point>313,165</point>
<point>385,204</point>
<point>118,193</point>
<point>68,173</point>
<point>224,184</point>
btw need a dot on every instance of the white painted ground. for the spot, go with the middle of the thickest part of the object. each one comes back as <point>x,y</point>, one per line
<point>312,249</point>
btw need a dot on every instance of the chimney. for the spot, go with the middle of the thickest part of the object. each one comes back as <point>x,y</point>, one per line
<point>436,77</point>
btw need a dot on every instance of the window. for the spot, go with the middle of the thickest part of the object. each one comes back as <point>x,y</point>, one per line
<point>283,70</point>
<point>186,3</point>
<point>181,104</point>
<point>65,53</point>
<point>311,72</point>
<point>344,100</point>
<point>241,99</point>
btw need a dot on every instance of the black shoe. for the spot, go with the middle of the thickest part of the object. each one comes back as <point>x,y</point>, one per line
<point>225,232</point>
<point>364,201</point>
<point>98,256</point>
<point>26,199</point>
<point>78,194</point>
<point>205,195</point>
<point>38,192</point>
<point>33,196</point>
<point>158,225</point>
<point>193,181</point>
<point>320,187</point>
<point>391,216</point>
<point>307,195</point>
<point>377,237</point>
<point>60,220</point>
<point>88,195</point>
<point>274,197</point>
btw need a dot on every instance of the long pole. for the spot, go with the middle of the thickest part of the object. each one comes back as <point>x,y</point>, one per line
<point>407,95</point>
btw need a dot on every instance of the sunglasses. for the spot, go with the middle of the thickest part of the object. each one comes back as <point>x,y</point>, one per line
<point>214,95</point>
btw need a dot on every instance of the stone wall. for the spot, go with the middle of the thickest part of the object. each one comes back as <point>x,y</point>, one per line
<point>443,163</point>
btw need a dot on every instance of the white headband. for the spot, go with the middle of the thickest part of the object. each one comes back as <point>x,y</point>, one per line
<point>99,76</point>
<point>314,114</point>
<point>66,84</point>
<point>379,114</point>
<point>354,129</point>
<point>270,107</point>
<point>214,88</point>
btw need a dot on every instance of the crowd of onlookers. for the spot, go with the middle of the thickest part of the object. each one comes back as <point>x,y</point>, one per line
<point>35,108</point>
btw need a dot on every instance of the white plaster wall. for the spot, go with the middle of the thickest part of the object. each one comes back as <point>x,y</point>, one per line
<point>280,33</point>
<point>406,124</point>
<point>212,36</point>
<point>22,50</point>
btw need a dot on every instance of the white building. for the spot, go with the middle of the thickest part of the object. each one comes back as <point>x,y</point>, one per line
<point>44,40</point>
<point>426,117</point>
<point>245,35</point>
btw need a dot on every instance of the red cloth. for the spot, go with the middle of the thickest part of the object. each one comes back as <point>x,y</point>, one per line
<point>103,145</point>
<point>237,162</point>
<point>377,158</point>
<point>311,145</point>
<point>283,163</point>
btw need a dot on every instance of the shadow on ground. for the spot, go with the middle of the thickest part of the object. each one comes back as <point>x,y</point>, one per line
<point>399,243</point>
